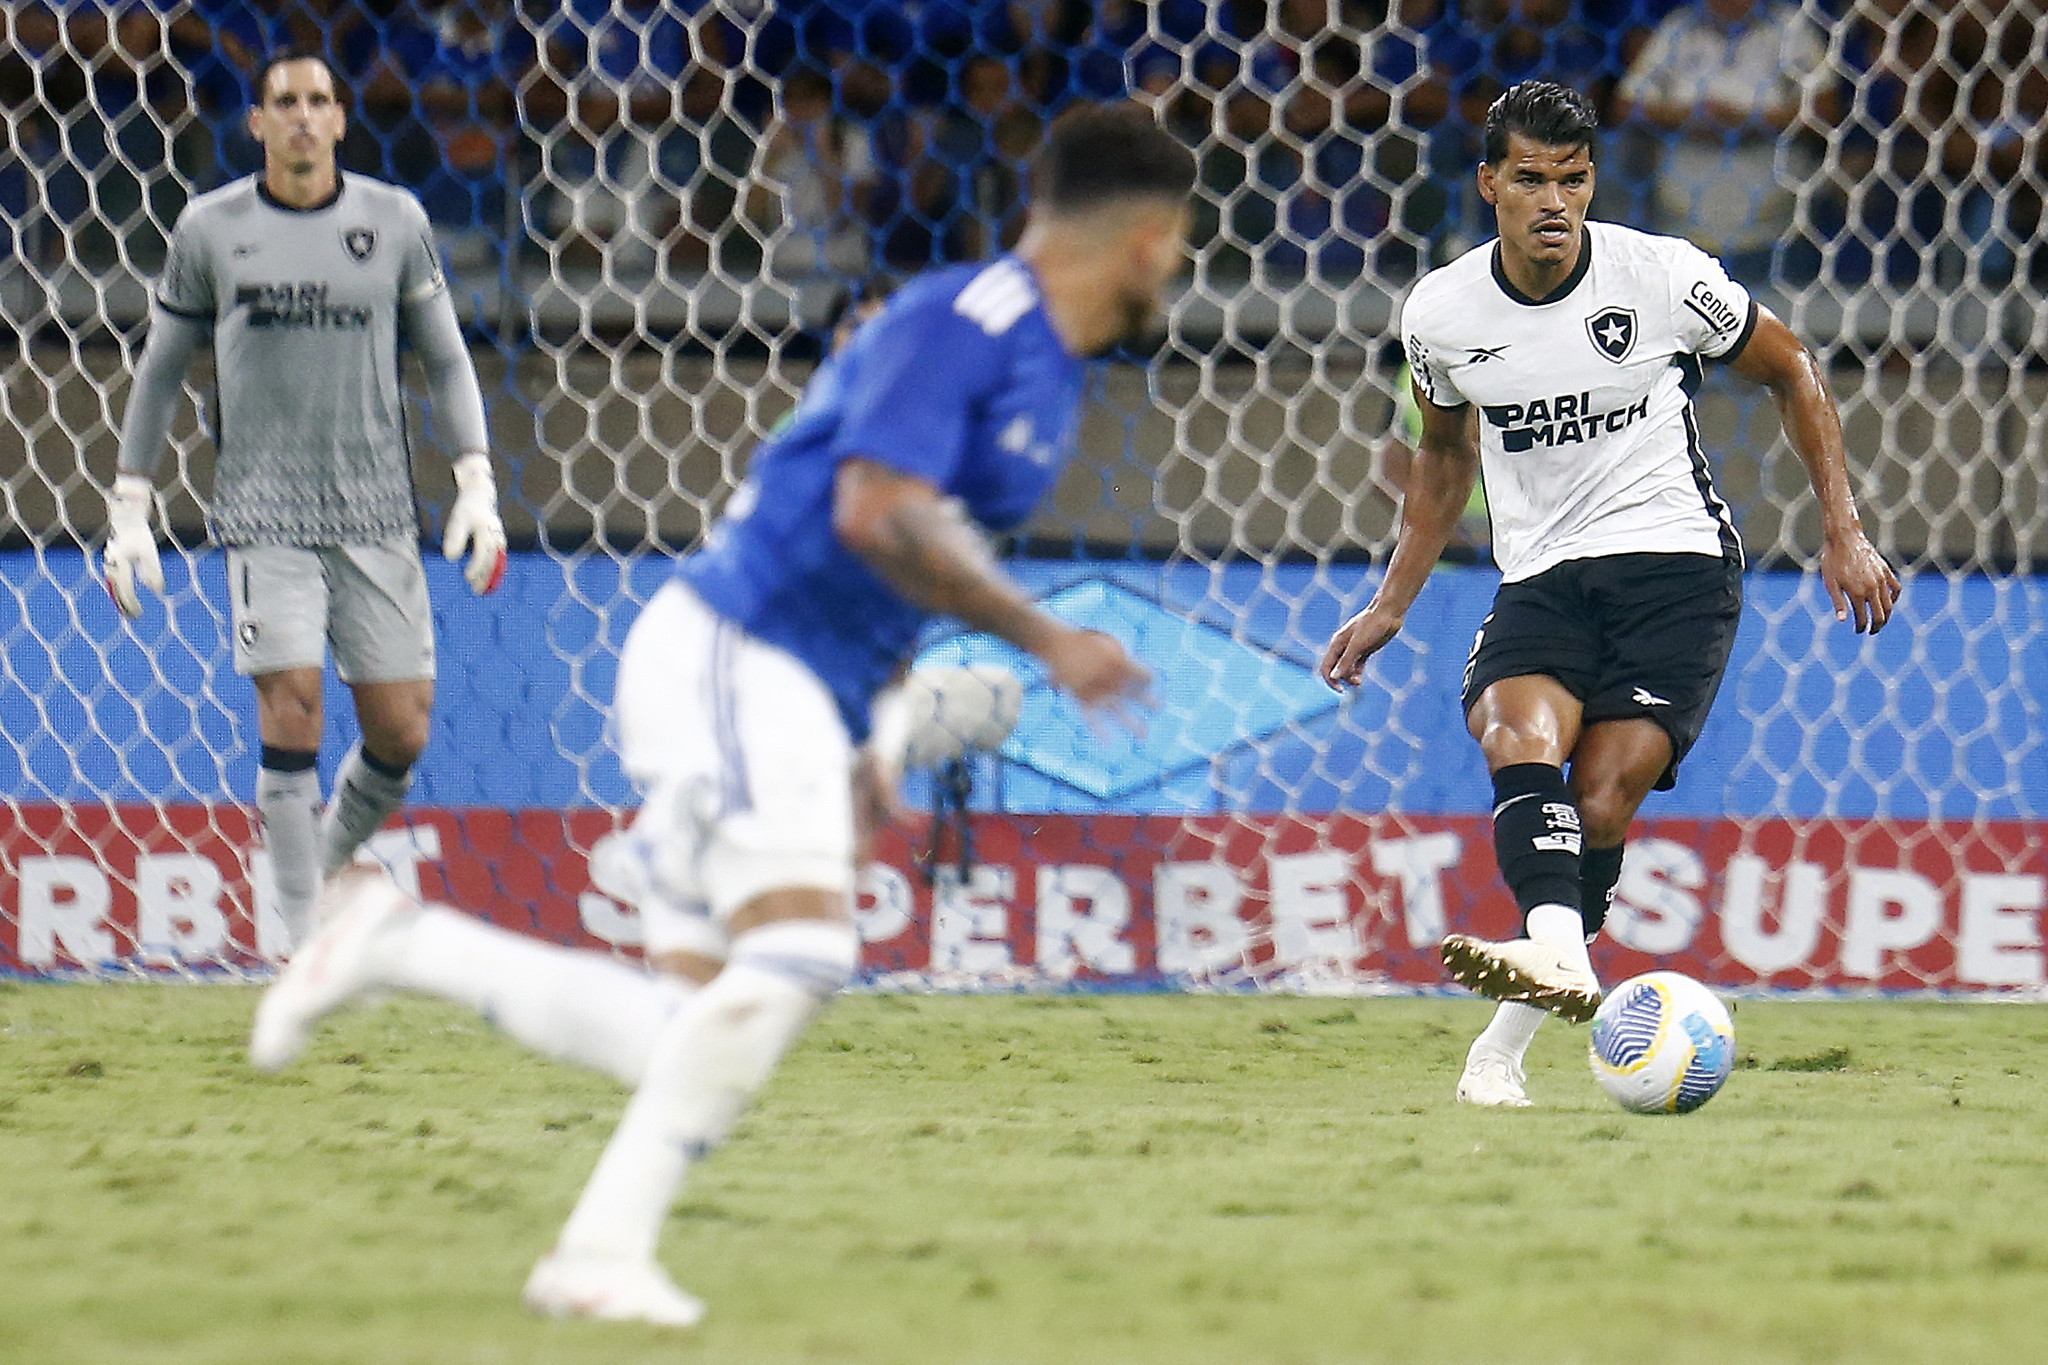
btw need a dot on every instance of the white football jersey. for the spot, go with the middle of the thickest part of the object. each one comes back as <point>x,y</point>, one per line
<point>1587,440</point>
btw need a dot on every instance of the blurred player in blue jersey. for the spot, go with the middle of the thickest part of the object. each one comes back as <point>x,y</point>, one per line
<point>745,689</point>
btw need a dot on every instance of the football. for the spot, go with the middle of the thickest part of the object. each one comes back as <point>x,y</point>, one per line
<point>1662,1044</point>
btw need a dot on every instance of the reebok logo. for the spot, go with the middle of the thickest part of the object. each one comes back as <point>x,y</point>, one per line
<point>1477,355</point>
<point>245,249</point>
<point>1643,696</point>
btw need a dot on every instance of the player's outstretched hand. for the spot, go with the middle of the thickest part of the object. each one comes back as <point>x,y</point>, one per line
<point>1357,640</point>
<point>473,524</point>
<point>130,555</point>
<point>1099,673</point>
<point>1859,581</point>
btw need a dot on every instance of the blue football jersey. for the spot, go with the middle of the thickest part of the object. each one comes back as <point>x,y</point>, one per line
<point>960,381</point>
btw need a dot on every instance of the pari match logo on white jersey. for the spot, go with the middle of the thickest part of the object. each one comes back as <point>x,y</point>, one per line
<point>1560,420</point>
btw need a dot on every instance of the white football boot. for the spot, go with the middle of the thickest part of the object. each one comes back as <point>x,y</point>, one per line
<point>1525,970</point>
<point>608,1290</point>
<point>1493,1081</point>
<point>333,967</point>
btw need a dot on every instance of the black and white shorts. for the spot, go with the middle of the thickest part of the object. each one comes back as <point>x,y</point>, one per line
<point>1629,635</point>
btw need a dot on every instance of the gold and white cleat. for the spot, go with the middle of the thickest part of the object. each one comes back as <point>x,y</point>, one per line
<point>1524,970</point>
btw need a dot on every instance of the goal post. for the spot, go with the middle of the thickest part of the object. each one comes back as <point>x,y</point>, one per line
<point>651,211</point>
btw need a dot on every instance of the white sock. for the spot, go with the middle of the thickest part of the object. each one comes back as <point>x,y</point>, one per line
<point>289,806</point>
<point>363,800</point>
<point>574,1006</point>
<point>1562,928</point>
<point>718,1050</point>
<point>1513,1028</point>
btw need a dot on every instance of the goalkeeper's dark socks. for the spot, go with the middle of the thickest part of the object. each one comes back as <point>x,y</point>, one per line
<point>277,759</point>
<point>366,792</point>
<point>401,774</point>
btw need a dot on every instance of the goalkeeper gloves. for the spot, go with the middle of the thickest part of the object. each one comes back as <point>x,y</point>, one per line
<point>473,524</point>
<point>131,546</point>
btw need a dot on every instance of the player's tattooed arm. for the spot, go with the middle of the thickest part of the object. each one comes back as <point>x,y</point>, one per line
<point>1440,480</point>
<point>925,546</point>
<point>1857,577</point>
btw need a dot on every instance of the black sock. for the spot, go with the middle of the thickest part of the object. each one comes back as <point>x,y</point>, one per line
<point>289,760</point>
<point>381,768</point>
<point>1536,835</point>
<point>1599,870</point>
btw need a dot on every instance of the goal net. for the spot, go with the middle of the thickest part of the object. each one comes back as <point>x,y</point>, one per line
<point>654,210</point>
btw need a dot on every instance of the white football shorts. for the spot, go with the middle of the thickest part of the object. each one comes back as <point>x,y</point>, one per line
<point>746,767</point>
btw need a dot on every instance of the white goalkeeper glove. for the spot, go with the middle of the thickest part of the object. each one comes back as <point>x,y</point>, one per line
<point>473,524</point>
<point>131,546</point>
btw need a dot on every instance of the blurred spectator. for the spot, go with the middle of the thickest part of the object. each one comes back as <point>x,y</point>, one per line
<point>1888,111</point>
<point>985,143</point>
<point>879,48</point>
<point>1998,153</point>
<point>1478,50</point>
<point>638,156</point>
<point>17,107</point>
<point>1254,168</point>
<point>1722,82</point>
<point>859,45</point>
<point>1486,46</point>
<point>436,83</point>
<point>947,33</point>
<point>808,192</point>
<point>231,39</point>
<point>949,181</point>
<point>1316,111</point>
<point>101,134</point>
<point>915,200</point>
<point>223,43</point>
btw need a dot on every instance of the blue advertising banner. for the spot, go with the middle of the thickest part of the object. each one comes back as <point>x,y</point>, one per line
<point>1930,719</point>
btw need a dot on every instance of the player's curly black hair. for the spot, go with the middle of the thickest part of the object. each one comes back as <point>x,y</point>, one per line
<point>1542,111</point>
<point>1095,154</point>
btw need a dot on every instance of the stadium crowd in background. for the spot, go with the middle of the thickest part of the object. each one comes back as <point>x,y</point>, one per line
<point>1336,135</point>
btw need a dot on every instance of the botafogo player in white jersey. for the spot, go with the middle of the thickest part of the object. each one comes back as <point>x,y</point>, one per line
<point>1562,360</point>
<point>304,280</point>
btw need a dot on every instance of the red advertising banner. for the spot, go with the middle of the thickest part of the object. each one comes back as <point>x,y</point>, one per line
<point>1334,902</point>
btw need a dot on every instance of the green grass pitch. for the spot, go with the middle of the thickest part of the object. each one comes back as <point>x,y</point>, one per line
<point>1071,1179</point>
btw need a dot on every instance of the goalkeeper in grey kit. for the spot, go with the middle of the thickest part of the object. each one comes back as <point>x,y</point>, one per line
<point>303,278</point>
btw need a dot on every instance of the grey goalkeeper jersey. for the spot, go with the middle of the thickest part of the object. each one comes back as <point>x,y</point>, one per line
<point>305,306</point>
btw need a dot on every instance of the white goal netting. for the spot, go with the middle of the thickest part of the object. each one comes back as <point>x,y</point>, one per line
<point>653,210</point>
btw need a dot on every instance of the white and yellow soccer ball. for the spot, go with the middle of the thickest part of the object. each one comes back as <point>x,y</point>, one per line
<point>1662,1044</point>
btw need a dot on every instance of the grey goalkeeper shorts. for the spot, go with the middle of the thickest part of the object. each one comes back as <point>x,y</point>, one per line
<point>369,601</point>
